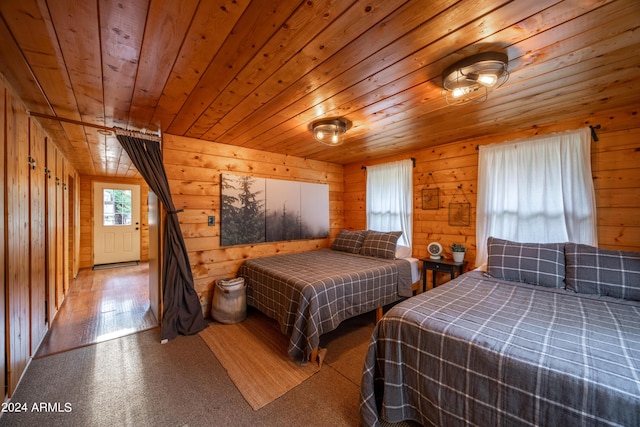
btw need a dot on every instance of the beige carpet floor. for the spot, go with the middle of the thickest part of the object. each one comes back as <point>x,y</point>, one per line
<point>254,354</point>
<point>136,381</point>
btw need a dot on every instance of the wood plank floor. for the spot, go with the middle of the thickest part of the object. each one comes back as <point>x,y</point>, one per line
<point>101,305</point>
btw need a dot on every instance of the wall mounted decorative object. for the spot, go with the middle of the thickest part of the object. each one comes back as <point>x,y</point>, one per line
<point>459,212</point>
<point>430,196</point>
<point>255,210</point>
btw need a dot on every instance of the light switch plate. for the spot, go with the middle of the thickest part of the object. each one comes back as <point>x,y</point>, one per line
<point>211,220</point>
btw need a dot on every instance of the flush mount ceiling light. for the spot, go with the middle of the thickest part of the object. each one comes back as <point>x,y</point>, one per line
<point>471,79</point>
<point>330,131</point>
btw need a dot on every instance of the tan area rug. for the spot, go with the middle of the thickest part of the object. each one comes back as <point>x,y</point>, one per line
<point>254,354</point>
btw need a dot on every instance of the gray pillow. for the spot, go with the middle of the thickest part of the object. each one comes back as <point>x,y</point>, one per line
<point>380,244</point>
<point>349,241</point>
<point>534,263</point>
<point>592,270</point>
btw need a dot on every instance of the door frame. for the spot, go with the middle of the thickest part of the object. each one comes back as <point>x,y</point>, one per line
<point>97,187</point>
<point>156,222</point>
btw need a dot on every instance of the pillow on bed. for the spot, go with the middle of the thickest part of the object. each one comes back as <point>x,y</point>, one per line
<point>534,263</point>
<point>403,252</point>
<point>349,241</point>
<point>380,244</point>
<point>592,270</point>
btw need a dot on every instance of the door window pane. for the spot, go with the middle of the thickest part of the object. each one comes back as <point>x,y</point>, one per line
<point>116,207</point>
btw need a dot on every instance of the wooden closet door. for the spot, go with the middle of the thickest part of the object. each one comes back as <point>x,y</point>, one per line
<point>17,240</point>
<point>65,228</point>
<point>37,238</point>
<point>51,209</point>
<point>59,231</point>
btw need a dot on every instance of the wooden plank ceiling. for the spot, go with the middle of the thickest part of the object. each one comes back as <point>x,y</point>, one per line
<point>256,73</point>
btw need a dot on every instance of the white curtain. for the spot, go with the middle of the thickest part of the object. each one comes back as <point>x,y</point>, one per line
<point>390,199</point>
<point>538,190</point>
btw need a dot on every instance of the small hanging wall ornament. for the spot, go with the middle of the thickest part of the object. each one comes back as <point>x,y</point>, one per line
<point>430,196</point>
<point>459,213</point>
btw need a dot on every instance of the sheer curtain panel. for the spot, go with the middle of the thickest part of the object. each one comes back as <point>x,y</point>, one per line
<point>390,199</point>
<point>538,190</point>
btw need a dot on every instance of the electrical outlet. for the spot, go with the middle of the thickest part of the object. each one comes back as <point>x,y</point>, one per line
<point>211,220</point>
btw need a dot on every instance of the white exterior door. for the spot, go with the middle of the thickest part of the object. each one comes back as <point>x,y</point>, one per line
<point>116,229</point>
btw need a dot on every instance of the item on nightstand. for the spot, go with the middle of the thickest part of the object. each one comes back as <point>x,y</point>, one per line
<point>435,250</point>
<point>229,303</point>
<point>458,251</point>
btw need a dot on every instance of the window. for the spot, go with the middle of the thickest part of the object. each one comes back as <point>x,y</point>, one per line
<point>116,207</point>
<point>536,191</point>
<point>390,197</point>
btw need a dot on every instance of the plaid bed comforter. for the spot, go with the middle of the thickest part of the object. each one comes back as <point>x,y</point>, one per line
<point>483,352</point>
<point>310,293</point>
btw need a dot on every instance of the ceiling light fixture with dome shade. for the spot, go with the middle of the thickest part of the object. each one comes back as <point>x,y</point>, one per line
<point>330,131</point>
<point>471,79</point>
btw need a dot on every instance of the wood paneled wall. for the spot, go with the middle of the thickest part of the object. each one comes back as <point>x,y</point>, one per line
<point>615,168</point>
<point>86,216</point>
<point>616,171</point>
<point>32,222</point>
<point>3,191</point>
<point>194,168</point>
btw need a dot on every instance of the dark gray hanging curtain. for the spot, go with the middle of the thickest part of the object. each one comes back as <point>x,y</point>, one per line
<point>182,312</point>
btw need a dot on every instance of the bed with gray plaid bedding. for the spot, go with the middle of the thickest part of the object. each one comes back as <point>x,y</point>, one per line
<point>486,352</point>
<point>310,293</point>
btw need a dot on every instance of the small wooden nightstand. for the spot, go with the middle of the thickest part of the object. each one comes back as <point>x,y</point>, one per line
<point>440,265</point>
